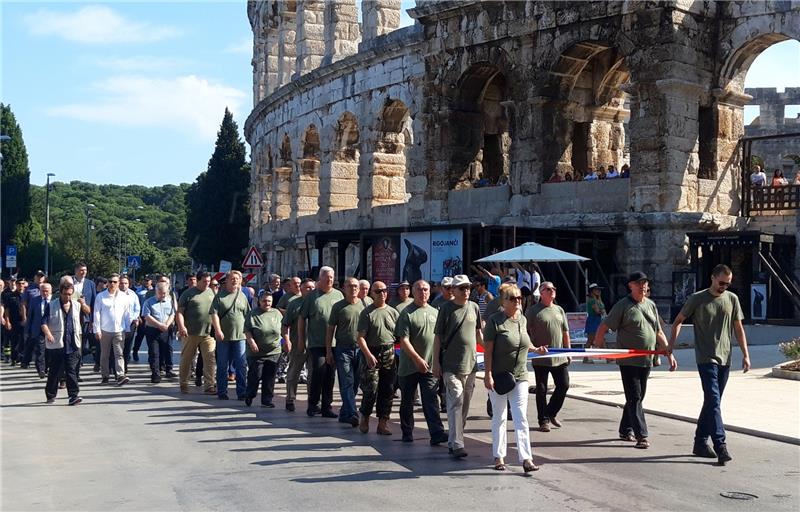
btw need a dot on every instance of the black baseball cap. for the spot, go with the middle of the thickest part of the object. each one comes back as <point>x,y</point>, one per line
<point>638,276</point>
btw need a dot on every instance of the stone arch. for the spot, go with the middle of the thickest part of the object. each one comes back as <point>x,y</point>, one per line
<point>587,81</point>
<point>394,135</point>
<point>737,64</point>
<point>481,141</point>
<point>344,165</point>
<point>282,181</point>
<point>307,173</point>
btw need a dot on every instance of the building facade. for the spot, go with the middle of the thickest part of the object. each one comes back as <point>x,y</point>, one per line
<point>471,118</point>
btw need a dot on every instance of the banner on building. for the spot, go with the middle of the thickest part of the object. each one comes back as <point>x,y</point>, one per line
<point>415,260</point>
<point>385,259</point>
<point>446,253</point>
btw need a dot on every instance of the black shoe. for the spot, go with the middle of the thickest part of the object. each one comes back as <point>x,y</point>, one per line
<point>223,396</point>
<point>281,380</point>
<point>51,400</point>
<point>290,407</point>
<point>268,405</point>
<point>408,438</point>
<point>459,453</point>
<point>80,379</point>
<point>703,450</point>
<point>104,380</point>
<point>354,421</point>
<point>437,440</point>
<point>170,375</point>
<point>628,437</point>
<point>198,383</point>
<point>248,402</point>
<point>313,411</point>
<point>124,380</point>
<point>42,375</point>
<point>155,378</point>
<point>75,400</point>
<point>62,385</point>
<point>722,454</point>
<point>136,357</point>
<point>23,366</point>
<point>555,422</point>
<point>328,413</point>
<point>96,368</point>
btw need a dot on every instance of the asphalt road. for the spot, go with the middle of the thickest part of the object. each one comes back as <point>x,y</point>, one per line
<point>146,447</point>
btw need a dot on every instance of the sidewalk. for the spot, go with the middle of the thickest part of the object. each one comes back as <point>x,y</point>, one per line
<point>754,403</point>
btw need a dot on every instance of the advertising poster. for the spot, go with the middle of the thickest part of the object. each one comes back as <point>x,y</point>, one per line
<point>385,260</point>
<point>577,327</point>
<point>415,261</point>
<point>447,251</point>
<point>758,301</point>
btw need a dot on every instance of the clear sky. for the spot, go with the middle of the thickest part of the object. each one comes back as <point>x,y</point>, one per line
<point>133,92</point>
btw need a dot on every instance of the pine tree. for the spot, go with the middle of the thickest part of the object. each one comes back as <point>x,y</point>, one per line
<point>217,221</point>
<point>16,202</point>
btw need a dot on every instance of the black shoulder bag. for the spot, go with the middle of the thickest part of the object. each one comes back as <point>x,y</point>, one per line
<point>505,382</point>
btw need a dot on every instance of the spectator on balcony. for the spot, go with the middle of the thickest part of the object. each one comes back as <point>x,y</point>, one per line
<point>612,172</point>
<point>568,176</point>
<point>555,178</point>
<point>601,173</point>
<point>481,182</point>
<point>758,178</point>
<point>625,171</point>
<point>590,175</point>
<point>778,180</point>
<point>796,179</point>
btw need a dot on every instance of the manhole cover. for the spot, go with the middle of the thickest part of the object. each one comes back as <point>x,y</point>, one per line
<point>605,393</point>
<point>733,495</point>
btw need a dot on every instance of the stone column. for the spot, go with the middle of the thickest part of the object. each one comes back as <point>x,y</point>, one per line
<point>380,17</point>
<point>258,61</point>
<point>272,65</point>
<point>282,193</point>
<point>310,36</point>
<point>287,52</point>
<point>342,33</point>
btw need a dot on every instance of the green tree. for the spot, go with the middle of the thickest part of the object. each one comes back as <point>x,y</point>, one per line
<point>217,218</point>
<point>15,178</point>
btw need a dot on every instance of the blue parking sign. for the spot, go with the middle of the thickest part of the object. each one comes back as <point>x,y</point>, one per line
<point>11,256</point>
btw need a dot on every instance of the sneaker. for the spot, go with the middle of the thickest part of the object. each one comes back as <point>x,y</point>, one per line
<point>51,400</point>
<point>722,454</point>
<point>75,400</point>
<point>459,453</point>
<point>704,450</point>
<point>290,406</point>
<point>124,380</point>
<point>544,426</point>
<point>555,423</point>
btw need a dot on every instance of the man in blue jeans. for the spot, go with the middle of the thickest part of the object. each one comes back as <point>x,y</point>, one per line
<point>228,311</point>
<point>343,326</point>
<point>714,312</point>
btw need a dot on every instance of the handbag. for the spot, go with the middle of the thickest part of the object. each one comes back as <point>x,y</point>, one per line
<point>505,382</point>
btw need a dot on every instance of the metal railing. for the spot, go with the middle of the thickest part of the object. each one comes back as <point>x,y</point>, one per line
<point>757,199</point>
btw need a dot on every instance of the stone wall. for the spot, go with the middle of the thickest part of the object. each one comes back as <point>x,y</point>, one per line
<point>529,89</point>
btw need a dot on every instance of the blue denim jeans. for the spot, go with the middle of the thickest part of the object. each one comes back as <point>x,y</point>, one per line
<point>231,352</point>
<point>346,367</point>
<point>713,377</point>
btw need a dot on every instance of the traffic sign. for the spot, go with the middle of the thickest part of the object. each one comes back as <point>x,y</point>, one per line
<point>253,259</point>
<point>11,256</point>
<point>225,266</point>
<point>134,262</point>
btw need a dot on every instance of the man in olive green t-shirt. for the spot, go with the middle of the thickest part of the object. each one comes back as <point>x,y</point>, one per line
<point>547,326</point>
<point>376,340</point>
<point>415,332</point>
<point>228,311</point>
<point>637,323</point>
<point>715,314</point>
<point>312,326</point>
<point>194,328</point>
<point>343,327</point>
<point>458,330</point>
<point>291,292</point>
<point>297,357</point>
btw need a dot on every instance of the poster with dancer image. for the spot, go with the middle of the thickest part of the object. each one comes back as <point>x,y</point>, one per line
<point>758,301</point>
<point>415,261</point>
<point>447,252</point>
<point>384,259</point>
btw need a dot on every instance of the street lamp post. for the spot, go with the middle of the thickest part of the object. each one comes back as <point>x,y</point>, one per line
<point>88,211</point>
<point>47,226</point>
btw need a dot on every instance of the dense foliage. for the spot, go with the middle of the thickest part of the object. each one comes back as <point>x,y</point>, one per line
<point>15,178</point>
<point>217,203</point>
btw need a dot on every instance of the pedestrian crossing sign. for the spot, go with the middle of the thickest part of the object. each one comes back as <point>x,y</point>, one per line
<point>253,259</point>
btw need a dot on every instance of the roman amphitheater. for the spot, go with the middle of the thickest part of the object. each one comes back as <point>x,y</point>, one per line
<point>473,120</point>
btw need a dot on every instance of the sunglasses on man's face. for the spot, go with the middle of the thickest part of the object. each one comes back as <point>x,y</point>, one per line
<point>464,288</point>
<point>381,290</point>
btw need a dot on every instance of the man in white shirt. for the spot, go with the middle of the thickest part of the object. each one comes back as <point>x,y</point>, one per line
<point>758,178</point>
<point>131,318</point>
<point>110,312</point>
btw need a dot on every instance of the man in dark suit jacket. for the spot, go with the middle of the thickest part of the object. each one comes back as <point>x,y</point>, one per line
<point>85,293</point>
<point>34,339</point>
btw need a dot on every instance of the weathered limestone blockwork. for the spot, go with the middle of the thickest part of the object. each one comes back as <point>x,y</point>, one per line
<point>520,91</point>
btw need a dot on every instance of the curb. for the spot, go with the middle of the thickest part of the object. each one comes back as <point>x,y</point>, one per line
<point>679,417</point>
